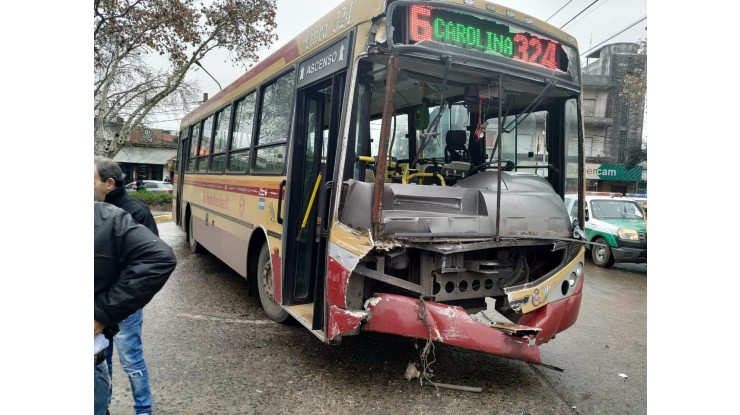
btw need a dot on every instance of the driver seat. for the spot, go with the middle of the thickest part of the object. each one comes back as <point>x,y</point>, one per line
<point>455,149</point>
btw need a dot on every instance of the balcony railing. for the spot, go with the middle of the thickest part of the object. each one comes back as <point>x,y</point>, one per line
<point>591,121</point>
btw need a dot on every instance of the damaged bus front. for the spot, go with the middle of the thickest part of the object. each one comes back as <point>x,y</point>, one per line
<point>449,222</point>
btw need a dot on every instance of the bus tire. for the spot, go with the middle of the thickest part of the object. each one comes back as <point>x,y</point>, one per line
<point>602,255</point>
<point>195,247</point>
<point>266,286</point>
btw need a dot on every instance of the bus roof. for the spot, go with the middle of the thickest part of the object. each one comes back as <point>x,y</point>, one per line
<point>342,18</point>
<point>310,40</point>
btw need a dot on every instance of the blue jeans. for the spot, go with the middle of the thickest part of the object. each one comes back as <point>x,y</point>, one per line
<point>102,388</point>
<point>131,355</point>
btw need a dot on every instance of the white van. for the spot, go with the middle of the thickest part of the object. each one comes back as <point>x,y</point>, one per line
<point>618,223</point>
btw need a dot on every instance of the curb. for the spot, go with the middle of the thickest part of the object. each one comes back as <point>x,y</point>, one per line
<point>162,218</point>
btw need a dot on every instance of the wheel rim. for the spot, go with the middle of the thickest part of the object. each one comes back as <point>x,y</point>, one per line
<point>267,279</point>
<point>600,254</point>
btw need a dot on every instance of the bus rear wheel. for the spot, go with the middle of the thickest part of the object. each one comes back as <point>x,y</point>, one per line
<point>602,255</point>
<point>266,287</point>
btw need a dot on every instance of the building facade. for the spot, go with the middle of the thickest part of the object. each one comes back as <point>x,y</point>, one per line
<point>147,155</point>
<point>613,122</point>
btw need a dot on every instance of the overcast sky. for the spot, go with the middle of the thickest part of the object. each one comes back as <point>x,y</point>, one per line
<point>595,25</point>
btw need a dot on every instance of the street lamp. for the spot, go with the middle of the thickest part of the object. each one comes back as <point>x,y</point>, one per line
<point>204,69</point>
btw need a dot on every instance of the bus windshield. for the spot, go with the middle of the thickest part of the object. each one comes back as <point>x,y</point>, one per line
<point>467,130</point>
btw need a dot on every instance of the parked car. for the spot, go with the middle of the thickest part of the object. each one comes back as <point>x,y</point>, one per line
<point>152,186</point>
<point>617,224</point>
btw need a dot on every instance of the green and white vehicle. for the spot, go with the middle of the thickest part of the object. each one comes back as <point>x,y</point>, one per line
<point>616,224</point>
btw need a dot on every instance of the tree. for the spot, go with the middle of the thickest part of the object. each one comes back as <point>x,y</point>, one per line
<point>636,81</point>
<point>127,33</point>
<point>636,154</point>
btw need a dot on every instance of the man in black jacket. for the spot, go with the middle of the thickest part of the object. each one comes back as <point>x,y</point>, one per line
<point>109,187</point>
<point>131,266</point>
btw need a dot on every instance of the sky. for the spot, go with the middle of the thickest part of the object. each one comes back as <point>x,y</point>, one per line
<point>596,24</point>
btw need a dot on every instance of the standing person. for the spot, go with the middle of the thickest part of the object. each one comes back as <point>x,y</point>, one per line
<point>109,187</point>
<point>131,266</point>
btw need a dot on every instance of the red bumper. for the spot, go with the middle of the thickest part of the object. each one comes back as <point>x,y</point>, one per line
<point>399,315</point>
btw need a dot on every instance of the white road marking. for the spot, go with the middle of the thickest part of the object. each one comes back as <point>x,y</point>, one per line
<point>224,320</point>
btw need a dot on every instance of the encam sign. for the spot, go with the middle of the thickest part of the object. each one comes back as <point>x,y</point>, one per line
<point>613,172</point>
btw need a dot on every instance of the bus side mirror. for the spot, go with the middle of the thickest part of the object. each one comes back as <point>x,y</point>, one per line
<point>585,213</point>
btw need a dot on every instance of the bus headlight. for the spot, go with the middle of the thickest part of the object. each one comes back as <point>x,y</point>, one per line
<point>627,234</point>
<point>579,271</point>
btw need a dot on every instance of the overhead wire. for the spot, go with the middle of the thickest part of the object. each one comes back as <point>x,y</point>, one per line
<point>579,13</point>
<point>615,35</point>
<point>589,12</point>
<point>548,19</point>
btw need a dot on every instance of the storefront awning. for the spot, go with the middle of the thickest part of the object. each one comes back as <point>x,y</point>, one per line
<point>145,155</point>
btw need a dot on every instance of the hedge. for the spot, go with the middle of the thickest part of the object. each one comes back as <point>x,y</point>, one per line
<point>152,198</point>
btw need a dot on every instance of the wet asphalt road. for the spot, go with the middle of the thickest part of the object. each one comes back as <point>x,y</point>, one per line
<point>211,350</point>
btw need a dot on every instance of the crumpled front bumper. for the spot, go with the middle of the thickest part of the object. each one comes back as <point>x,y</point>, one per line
<point>401,315</point>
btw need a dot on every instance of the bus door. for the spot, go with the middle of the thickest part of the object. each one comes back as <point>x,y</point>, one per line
<point>179,179</point>
<point>312,167</point>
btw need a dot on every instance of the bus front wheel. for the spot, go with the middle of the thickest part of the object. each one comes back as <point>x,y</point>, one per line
<point>602,255</point>
<point>266,287</point>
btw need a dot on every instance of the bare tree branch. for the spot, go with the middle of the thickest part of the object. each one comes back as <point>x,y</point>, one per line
<point>180,31</point>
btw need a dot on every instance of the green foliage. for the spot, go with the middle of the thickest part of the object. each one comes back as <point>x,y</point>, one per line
<point>152,198</point>
<point>635,155</point>
<point>636,91</point>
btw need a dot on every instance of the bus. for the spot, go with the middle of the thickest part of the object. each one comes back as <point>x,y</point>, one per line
<point>399,168</point>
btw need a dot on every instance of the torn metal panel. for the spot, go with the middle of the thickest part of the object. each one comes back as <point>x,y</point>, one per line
<point>516,329</point>
<point>556,316</point>
<point>348,246</point>
<point>344,322</point>
<point>400,315</point>
<point>337,279</point>
<point>355,241</point>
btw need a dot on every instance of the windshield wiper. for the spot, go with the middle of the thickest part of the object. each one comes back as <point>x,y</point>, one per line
<point>434,125</point>
<point>532,106</point>
<point>550,85</point>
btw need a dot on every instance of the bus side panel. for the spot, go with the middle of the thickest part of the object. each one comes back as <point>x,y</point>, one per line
<point>226,211</point>
<point>224,238</point>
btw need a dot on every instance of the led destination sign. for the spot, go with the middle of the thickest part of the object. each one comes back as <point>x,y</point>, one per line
<point>471,32</point>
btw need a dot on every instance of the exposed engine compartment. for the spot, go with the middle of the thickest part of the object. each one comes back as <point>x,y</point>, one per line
<point>442,242</point>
